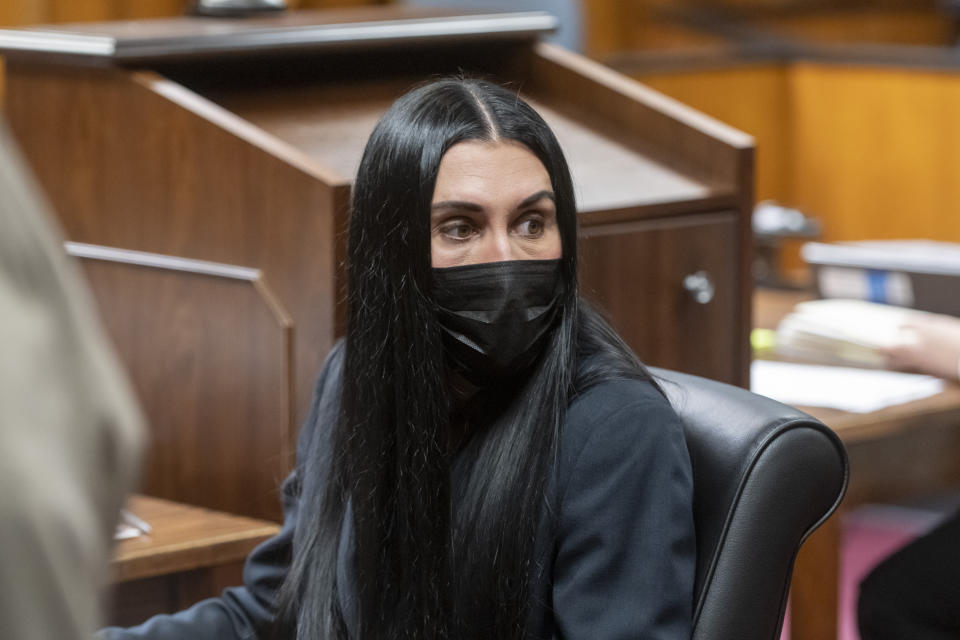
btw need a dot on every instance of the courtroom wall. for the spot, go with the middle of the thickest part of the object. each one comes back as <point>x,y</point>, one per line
<point>872,151</point>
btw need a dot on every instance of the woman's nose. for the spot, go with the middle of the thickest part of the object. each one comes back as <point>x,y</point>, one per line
<point>499,248</point>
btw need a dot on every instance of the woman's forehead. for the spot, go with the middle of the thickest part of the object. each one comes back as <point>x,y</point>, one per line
<point>481,170</point>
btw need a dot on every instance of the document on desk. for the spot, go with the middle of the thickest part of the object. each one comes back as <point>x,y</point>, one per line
<point>125,532</point>
<point>130,526</point>
<point>844,388</point>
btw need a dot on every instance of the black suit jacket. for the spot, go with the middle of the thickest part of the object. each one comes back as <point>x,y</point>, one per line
<point>618,563</point>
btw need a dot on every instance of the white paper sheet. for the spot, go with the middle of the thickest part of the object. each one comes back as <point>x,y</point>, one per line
<point>845,388</point>
<point>125,532</point>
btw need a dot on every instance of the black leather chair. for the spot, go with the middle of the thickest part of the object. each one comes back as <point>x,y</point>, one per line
<point>765,476</point>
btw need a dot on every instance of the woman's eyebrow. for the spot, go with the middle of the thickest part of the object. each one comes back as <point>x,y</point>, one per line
<point>456,204</point>
<point>473,206</point>
<point>539,195</point>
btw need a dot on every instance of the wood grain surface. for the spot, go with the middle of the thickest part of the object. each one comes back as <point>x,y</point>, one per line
<point>189,555</point>
<point>876,153</point>
<point>22,12</point>
<point>211,362</point>
<point>184,538</point>
<point>755,98</point>
<point>136,162</point>
<point>636,272</point>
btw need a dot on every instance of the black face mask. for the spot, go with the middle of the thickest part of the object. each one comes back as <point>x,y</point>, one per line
<point>496,316</point>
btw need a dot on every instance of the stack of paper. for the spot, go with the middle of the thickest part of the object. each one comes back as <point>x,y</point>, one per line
<point>850,332</point>
<point>130,526</point>
<point>845,388</point>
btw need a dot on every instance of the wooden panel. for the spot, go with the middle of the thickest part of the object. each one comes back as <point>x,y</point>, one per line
<point>131,603</point>
<point>666,130</point>
<point>210,360</point>
<point>614,26</point>
<point>185,538</point>
<point>922,459</point>
<point>754,99</point>
<point>681,139</point>
<point>332,125</point>
<point>191,554</point>
<point>145,9</point>
<point>22,12</point>
<point>15,13</point>
<point>636,272</point>
<point>137,162</point>
<point>323,4</point>
<point>79,10</point>
<point>871,152</point>
<point>18,12</point>
<point>877,151</point>
<point>607,25</point>
<point>147,43</point>
<point>904,26</point>
<point>815,588</point>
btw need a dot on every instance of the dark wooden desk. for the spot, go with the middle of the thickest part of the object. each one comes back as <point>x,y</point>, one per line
<point>191,554</point>
<point>906,450</point>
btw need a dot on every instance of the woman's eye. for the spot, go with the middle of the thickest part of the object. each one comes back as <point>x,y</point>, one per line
<point>457,230</point>
<point>531,227</point>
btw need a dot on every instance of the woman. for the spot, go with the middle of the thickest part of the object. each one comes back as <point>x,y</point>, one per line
<point>484,457</point>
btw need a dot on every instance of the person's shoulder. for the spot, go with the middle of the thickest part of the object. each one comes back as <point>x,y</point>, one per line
<point>605,399</point>
<point>330,372</point>
<point>620,414</point>
<point>336,355</point>
<point>326,399</point>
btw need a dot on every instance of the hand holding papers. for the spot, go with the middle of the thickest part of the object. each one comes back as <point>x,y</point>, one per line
<point>931,344</point>
<point>850,332</point>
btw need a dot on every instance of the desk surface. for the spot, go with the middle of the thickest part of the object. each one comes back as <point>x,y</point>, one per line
<point>854,428</point>
<point>184,538</point>
<point>770,306</point>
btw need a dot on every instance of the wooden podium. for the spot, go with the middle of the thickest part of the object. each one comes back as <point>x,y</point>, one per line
<point>217,156</point>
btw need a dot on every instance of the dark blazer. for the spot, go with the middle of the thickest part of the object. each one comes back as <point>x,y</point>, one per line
<point>618,563</point>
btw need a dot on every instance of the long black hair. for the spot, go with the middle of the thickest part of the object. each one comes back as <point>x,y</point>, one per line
<point>432,559</point>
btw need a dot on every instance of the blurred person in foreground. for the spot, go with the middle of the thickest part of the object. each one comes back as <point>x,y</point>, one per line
<point>70,432</point>
<point>915,593</point>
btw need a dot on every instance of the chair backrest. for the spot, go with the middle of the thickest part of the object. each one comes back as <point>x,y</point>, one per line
<point>765,476</point>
